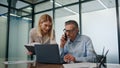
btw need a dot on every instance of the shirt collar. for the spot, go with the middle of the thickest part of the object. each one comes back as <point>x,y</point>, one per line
<point>76,39</point>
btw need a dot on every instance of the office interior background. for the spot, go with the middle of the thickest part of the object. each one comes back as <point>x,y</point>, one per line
<point>98,19</point>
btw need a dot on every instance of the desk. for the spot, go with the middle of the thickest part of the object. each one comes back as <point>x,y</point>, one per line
<point>89,65</point>
<point>27,64</point>
<point>39,65</point>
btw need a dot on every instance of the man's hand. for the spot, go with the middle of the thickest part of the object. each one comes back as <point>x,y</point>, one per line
<point>62,41</point>
<point>68,58</point>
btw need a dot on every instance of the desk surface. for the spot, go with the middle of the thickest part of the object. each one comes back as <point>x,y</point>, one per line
<point>32,64</point>
<point>27,64</point>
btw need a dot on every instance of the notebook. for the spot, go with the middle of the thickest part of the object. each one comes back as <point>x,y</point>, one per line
<point>48,53</point>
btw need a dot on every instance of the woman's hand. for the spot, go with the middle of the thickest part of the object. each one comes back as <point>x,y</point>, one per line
<point>29,53</point>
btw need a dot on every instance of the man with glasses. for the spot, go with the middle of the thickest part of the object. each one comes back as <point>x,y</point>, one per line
<point>75,47</point>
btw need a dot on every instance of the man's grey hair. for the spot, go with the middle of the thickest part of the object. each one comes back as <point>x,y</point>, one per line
<point>72,22</point>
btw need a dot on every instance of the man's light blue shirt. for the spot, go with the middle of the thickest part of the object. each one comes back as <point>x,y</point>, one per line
<point>81,48</point>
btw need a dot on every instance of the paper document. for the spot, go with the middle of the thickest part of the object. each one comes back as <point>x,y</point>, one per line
<point>80,65</point>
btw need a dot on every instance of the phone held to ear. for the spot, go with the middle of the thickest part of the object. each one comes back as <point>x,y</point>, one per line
<point>65,36</point>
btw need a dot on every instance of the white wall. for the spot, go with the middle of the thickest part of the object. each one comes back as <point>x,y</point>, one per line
<point>100,26</point>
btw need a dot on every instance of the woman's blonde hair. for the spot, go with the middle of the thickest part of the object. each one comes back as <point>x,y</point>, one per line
<point>44,18</point>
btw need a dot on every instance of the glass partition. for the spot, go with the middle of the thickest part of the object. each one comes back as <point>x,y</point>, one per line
<point>99,23</point>
<point>18,37</point>
<point>44,6</point>
<point>119,28</point>
<point>64,14</point>
<point>19,32</point>
<point>3,32</point>
<point>5,2</point>
<point>65,2</point>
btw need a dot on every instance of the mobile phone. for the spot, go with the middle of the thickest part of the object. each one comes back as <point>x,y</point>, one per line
<point>65,36</point>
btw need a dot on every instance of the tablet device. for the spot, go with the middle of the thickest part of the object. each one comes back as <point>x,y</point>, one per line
<point>30,48</point>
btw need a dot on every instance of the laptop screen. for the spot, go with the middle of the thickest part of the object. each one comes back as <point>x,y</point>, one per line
<point>47,53</point>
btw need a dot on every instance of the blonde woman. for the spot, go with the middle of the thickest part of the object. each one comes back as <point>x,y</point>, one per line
<point>43,34</point>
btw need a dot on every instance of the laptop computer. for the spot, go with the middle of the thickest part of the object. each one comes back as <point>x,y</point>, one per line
<point>48,53</point>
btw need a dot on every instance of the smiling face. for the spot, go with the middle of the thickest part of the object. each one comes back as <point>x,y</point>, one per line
<point>46,27</point>
<point>45,24</point>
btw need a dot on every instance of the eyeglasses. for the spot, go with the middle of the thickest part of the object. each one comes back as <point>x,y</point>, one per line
<point>70,31</point>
